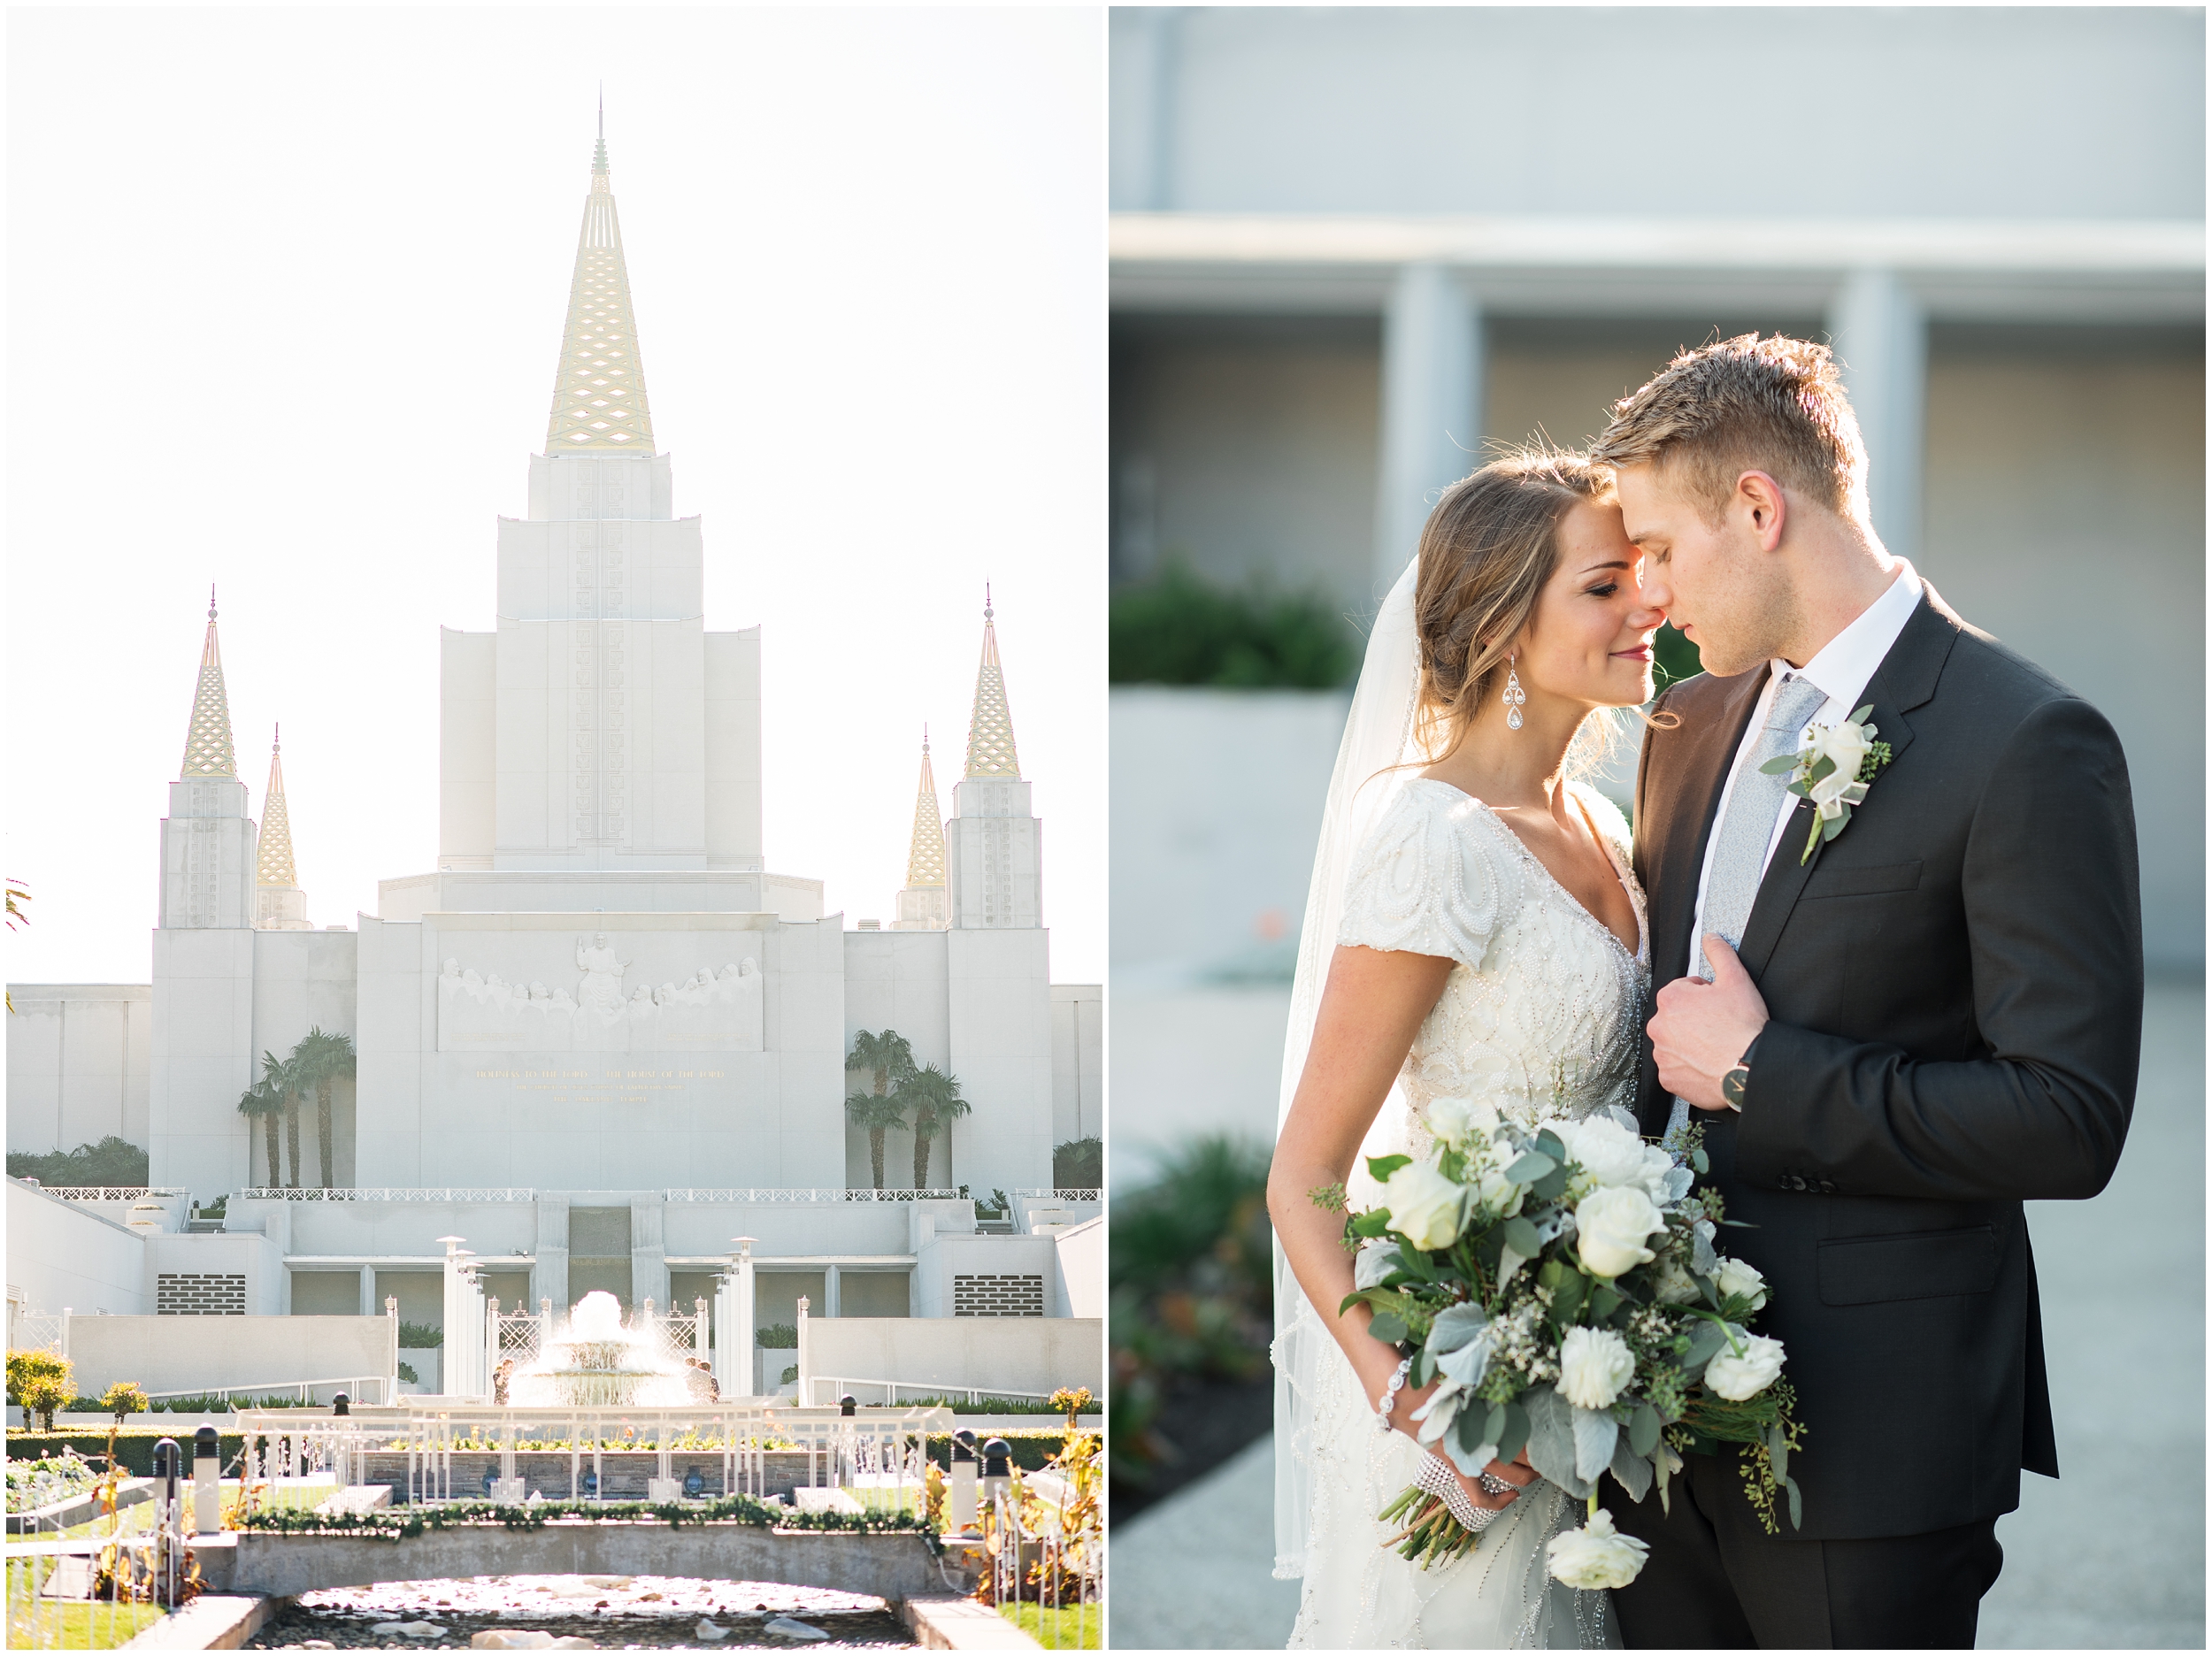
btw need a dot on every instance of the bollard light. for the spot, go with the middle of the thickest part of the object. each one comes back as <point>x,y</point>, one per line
<point>341,1405</point>
<point>998,1472</point>
<point>960,1486</point>
<point>207,1473</point>
<point>846,1405</point>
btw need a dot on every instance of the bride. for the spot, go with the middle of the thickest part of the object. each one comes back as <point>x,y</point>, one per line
<point>1482,937</point>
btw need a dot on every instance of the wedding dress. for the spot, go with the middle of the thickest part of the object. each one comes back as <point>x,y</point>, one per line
<point>1539,1017</point>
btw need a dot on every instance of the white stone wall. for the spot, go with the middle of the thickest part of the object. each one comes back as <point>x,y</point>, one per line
<point>993,1355</point>
<point>202,1056</point>
<point>994,854</point>
<point>207,854</point>
<point>1000,1023</point>
<point>61,1256</point>
<point>1079,1084</point>
<point>468,748</point>
<point>177,1354</point>
<point>1079,1281</point>
<point>733,750</point>
<point>78,1064</point>
<point>895,980</point>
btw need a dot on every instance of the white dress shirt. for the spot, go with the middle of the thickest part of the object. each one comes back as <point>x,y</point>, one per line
<point>1843,668</point>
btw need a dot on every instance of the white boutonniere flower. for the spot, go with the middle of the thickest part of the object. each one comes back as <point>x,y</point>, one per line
<point>1833,769</point>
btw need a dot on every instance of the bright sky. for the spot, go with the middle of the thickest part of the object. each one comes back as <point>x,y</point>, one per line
<point>285,291</point>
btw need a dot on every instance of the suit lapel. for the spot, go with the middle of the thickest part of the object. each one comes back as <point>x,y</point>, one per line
<point>1906,679</point>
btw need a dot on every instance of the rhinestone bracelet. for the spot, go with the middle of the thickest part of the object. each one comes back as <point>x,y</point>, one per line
<point>1390,1393</point>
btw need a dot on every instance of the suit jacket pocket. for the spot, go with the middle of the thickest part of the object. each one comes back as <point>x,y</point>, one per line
<point>1922,1265</point>
<point>1862,882</point>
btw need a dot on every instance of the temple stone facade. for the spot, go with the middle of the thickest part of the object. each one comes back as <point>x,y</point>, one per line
<point>601,1001</point>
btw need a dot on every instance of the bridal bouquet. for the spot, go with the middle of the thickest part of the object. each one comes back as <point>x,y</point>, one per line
<point>1562,1288</point>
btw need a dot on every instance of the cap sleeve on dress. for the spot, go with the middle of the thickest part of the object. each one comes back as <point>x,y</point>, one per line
<point>1433,877</point>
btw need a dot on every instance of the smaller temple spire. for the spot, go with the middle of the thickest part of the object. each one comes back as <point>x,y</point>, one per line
<point>207,745</point>
<point>273,861</point>
<point>926,856</point>
<point>991,726</point>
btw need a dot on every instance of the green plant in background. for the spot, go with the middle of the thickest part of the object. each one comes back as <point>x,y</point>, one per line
<point>420,1337</point>
<point>1079,1164</point>
<point>125,1396</point>
<point>890,1058</point>
<point>318,1061</point>
<point>1676,657</point>
<point>934,1095</point>
<point>407,1373</point>
<point>26,1367</point>
<point>777,1337</point>
<point>262,1103</point>
<point>112,1161</point>
<point>280,1077</point>
<point>1180,628</point>
<point>1190,1270</point>
<point>790,1373</point>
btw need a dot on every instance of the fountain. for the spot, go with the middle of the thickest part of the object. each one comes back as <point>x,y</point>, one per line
<point>601,1364</point>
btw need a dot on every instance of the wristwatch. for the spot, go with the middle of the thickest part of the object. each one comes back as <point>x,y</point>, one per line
<point>1732,1084</point>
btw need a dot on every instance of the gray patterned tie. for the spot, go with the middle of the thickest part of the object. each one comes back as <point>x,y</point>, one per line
<point>1740,849</point>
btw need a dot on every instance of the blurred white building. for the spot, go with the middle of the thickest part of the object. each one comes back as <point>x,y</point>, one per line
<point>1351,246</point>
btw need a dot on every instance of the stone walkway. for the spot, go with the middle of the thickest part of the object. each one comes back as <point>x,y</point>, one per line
<point>2112,1557</point>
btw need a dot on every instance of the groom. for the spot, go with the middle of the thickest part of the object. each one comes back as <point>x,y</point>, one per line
<point>1893,1039</point>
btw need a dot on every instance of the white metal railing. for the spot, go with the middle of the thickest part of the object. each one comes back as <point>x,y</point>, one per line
<point>1076,1195</point>
<point>840,1450</point>
<point>814,1384</point>
<point>797,1194</point>
<point>382,1383</point>
<point>110,1193</point>
<point>94,1591</point>
<point>36,1331</point>
<point>388,1192</point>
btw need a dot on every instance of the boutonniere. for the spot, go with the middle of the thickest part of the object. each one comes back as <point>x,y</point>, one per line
<point>1833,770</point>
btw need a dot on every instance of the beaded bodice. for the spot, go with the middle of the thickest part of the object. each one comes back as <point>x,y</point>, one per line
<point>1541,1013</point>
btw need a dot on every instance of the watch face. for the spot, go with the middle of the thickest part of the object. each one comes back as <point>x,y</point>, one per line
<point>1732,1084</point>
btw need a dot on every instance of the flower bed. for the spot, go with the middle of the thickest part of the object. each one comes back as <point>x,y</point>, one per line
<point>134,1446</point>
<point>46,1480</point>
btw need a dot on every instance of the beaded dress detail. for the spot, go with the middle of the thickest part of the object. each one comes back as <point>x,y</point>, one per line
<point>1539,1018</point>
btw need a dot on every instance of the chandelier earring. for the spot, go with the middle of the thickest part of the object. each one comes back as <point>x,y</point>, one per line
<point>1514,698</point>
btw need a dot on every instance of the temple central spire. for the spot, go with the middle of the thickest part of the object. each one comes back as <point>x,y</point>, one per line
<point>207,745</point>
<point>599,388</point>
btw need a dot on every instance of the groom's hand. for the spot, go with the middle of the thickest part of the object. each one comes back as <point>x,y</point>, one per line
<point>1701,1030</point>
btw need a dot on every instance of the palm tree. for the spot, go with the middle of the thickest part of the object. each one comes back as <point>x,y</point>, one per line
<point>937,1103</point>
<point>317,1062</point>
<point>877,1113</point>
<point>282,1076</point>
<point>891,1057</point>
<point>259,1104</point>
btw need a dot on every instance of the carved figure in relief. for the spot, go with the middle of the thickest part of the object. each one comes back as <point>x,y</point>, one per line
<point>601,988</point>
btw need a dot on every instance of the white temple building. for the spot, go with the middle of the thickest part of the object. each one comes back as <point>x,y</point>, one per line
<point>601,1040</point>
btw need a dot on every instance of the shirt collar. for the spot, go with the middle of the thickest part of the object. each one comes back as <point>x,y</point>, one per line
<point>1845,663</point>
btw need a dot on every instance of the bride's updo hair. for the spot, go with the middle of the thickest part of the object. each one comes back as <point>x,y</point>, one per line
<point>1486,552</point>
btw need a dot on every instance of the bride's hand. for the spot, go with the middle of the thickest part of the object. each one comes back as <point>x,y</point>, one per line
<point>1516,1472</point>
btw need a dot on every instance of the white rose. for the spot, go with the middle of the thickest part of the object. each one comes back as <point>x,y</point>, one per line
<point>1613,1224</point>
<point>1498,1193</point>
<point>1736,1278</point>
<point>1674,1285</point>
<point>1596,1556</point>
<point>1457,1119</point>
<point>1594,1365</point>
<point>1614,1156</point>
<point>1736,1377</point>
<point>1426,1207</point>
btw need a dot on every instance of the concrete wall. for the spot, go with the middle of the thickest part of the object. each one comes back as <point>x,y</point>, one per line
<point>1517,109</point>
<point>1080,1276</point>
<point>948,1254</point>
<point>990,1354</point>
<point>60,1255</point>
<point>173,1353</point>
<point>1000,1030</point>
<point>78,1064</point>
<point>1079,1081</point>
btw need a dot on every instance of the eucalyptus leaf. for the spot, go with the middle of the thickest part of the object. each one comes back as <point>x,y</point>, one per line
<point>1776,767</point>
<point>1509,1262</point>
<point>1419,1374</point>
<point>1388,1327</point>
<point>1699,1160</point>
<point>1632,1471</point>
<point>1706,1340</point>
<point>1549,1142</point>
<point>1779,1452</point>
<point>1551,1439</point>
<point>1521,1237</point>
<point>1602,1302</point>
<point>1797,1505</point>
<point>1513,1436</point>
<point>1568,1300</point>
<point>1643,1429</point>
<point>1381,1168</point>
<point>1595,1434</point>
<point>1860,716</point>
<point>1550,1187</point>
<point>1530,1168</point>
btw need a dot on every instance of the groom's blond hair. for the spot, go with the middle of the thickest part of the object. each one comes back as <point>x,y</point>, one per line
<point>1746,405</point>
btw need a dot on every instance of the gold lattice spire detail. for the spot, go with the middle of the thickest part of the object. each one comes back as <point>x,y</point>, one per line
<point>599,389</point>
<point>273,859</point>
<point>991,727</point>
<point>926,859</point>
<point>207,749</point>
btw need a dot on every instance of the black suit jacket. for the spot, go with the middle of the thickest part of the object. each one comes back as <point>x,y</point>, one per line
<point>1956,988</point>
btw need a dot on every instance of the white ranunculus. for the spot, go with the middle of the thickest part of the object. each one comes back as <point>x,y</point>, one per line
<point>1674,1285</point>
<point>1596,1556</point>
<point>1426,1208</point>
<point>1614,1156</point>
<point>1498,1193</point>
<point>1736,1278</point>
<point>1594,1365</point>
<point>1736,1377</point>
<point>1612,1224</point>
<point>1457,1121</point>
